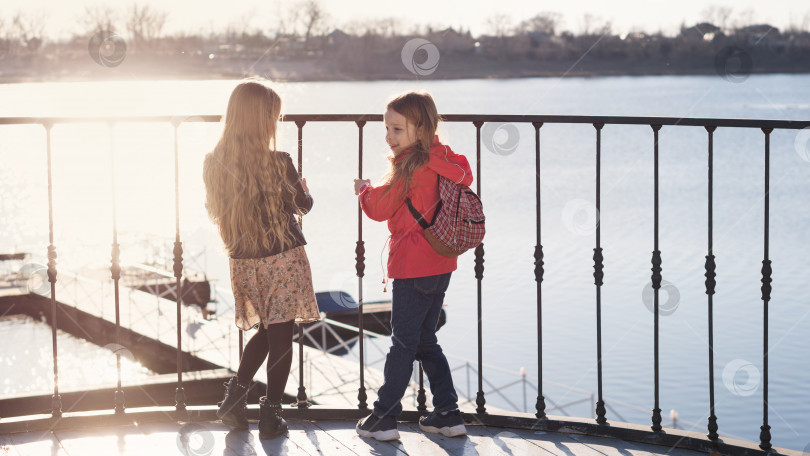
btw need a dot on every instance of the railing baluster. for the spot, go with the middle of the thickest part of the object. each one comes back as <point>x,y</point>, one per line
<point>115,273</point>
<point>180,395</point>
<point>598,275</point>
<point>360,266</point>
<point>710,285</point>
<point>56,402</point>
<point>656,285</point>
<point>241,344</point>
<point>302,401</point>
<point>540,405</point>
<point>479,275</point>
<point>421,398</point>
<point>765,429</point>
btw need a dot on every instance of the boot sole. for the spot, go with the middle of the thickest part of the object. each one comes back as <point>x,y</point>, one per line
<point>383,436</point>
<point>454,431</point>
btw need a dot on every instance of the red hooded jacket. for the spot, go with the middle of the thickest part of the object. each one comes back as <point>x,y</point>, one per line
<point>410,253</point>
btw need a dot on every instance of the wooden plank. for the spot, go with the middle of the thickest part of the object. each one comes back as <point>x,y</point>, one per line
<point>37,443</point>
<point>486,445</point>
<point>344,432</point>
<point>215,438</point>
<point>415,442</point>
<point>121,440</point>
<point>559,444</point>
<point>611,447</point>
<point>447,445</point>
<point>658,449</point>
<point>314,441</point>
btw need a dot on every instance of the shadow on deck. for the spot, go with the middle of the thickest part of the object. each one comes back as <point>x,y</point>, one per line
<point>328,431</point>
<point>308,437</point>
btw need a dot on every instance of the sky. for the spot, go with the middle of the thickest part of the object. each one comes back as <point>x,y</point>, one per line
<point>196,16</point>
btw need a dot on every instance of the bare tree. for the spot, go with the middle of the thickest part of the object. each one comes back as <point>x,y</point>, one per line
<point>594,25</point>
<point>145,24</point>
<point>744,18</point>
<point>312,17</point>
<point>499,25</point>
<point>29,28</point>
<point>389,26</point>
<point>288,21</point>
<point>717,15</point>
<point>545,22</point>
<point>99,19</point>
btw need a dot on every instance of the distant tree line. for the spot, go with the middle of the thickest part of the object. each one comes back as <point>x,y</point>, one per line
<point>305,30</point>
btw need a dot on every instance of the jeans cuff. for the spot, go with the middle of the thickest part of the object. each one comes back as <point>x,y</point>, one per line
<point>446,409</point>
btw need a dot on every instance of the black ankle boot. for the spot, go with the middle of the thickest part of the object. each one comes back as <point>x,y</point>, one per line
<point>271,424</point>
<point>232,409</point>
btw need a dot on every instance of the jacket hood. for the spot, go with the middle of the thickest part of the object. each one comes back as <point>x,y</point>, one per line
<point>448,164</point>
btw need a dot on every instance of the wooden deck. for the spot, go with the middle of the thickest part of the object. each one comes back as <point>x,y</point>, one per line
<point>322,437</point>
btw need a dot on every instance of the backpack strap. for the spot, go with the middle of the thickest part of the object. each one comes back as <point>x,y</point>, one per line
<point>419,218</point>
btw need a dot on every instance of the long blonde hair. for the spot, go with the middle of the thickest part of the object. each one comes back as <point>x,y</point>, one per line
<point>420,110</point>
<point>245,179</point>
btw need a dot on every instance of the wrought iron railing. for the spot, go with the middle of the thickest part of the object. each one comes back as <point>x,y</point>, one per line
<point>600,426</point>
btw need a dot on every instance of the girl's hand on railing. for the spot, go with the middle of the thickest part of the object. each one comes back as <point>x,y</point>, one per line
<point>359,183</point>
<point>304,184</point>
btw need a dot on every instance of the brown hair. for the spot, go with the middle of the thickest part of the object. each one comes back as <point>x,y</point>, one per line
<point>245,179</point>
<point>419,109</point>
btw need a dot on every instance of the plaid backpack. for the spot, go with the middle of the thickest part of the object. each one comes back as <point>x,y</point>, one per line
<point>458,223</point>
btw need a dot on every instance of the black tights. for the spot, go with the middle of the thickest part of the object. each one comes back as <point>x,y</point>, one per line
<point>275,344</point>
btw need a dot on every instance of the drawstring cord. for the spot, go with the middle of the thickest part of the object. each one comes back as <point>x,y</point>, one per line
<point>382,264</point>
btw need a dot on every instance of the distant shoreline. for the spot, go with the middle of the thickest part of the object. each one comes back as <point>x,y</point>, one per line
<point>81,68</point>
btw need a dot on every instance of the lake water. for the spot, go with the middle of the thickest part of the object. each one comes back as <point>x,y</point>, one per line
<point>145,211</point>
<point>82,364</point>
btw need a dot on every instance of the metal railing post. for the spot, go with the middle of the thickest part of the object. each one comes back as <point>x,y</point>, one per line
<point>56,401</point>
<point>180,395</point>
<point>302,401</point>
<point>115,274</point>
<point>656,284</point>
<point>598,275</point>
<point>480,401</point>
<point>540,405</point>
<point>360,252</point>
<point>710,285</point>
<point>765,429</point>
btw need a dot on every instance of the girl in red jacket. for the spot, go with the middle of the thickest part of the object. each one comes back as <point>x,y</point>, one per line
<point>421,275</point>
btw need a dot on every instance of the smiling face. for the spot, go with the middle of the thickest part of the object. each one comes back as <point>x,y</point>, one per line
<point>399,132</point>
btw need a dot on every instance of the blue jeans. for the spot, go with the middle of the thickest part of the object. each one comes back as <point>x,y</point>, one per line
<point>415,311</point>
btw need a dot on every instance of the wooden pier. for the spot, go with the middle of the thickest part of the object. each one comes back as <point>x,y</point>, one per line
<point>311,438</point>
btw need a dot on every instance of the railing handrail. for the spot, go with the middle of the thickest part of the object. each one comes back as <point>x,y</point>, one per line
<point>561,119</point>
<point>540,420</point>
